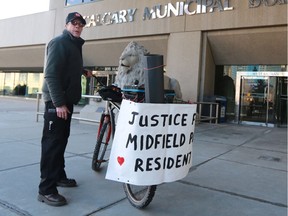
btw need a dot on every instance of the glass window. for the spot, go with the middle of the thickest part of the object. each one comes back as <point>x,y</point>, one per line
<point>75,2</point>
<point>34,84</point>
<point>2,81</point>
<point>21,84</point>
<point>8,84</point>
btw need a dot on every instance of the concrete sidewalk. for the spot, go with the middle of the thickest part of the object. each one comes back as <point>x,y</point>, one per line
<point>241,171</point>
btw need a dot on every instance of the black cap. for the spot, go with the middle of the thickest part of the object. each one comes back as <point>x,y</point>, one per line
<point>73,16</point>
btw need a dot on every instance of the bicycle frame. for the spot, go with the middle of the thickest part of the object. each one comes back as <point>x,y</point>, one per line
<point>107,116</point>
<point>111,106</point>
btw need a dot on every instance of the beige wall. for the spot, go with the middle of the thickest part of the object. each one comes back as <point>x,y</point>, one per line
<point>27,30</point>
<point>23,39</point>
<point>136,28</point>
<point>240,17</point>
<point>207,71</point>
<point>191,44</point>
<point>107,52</point>
<point>183,60</point>
<point>39,28</point>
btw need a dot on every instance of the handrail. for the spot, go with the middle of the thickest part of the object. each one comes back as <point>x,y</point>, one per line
<point>200,118</point>
<point>38,112</point>
<point>210,118</point>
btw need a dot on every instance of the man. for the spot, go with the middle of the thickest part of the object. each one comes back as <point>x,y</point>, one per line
<point>61,89</point>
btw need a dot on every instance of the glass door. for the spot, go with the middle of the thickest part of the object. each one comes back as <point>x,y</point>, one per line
<point>281,101</point>
<point>257,100</point>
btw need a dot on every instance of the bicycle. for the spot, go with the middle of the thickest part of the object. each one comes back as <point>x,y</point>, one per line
<point>138,196</point>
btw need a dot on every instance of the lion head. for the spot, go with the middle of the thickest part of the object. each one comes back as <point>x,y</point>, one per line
<point>131,65</point>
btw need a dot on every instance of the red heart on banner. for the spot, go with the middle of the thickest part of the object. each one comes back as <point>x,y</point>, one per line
<point>120,160</point>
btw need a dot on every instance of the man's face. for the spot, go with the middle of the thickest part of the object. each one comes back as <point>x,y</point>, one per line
<point>75,27</point>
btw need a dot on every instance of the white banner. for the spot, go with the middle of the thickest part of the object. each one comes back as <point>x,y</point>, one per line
<point>152,143</point>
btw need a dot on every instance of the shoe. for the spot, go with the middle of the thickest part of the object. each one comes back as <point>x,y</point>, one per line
<point>67,183</point>
<point>52,199</point>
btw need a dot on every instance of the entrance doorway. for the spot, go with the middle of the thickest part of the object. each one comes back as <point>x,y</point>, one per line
<point>261,98</point>
<point>257,100</point>
<point>281,101</point>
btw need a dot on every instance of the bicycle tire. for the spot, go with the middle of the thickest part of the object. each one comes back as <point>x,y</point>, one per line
<point>139,196</point>
<point>101,146</point>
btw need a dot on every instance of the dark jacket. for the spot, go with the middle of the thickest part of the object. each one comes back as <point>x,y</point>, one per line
<point>63,70</point>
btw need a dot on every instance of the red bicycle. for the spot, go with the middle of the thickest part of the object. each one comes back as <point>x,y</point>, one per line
<point>138,196</point>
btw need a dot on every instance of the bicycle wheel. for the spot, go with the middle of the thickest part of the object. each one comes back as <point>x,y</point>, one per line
<point>101,145</point>
<point>139,196</point>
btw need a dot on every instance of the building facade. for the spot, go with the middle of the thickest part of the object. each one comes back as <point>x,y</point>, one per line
<point>236,49</point>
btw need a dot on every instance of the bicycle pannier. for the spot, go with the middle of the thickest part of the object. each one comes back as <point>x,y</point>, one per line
<point>111,93</point>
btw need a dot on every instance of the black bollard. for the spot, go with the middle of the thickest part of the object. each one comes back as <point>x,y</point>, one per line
<point>154,79</point>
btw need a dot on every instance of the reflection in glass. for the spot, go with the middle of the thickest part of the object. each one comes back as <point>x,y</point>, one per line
<point>75,2</point>
<point>257,99</point>
<point>20,84</point>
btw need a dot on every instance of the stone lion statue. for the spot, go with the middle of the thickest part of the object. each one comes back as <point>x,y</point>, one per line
<point>131,69</point>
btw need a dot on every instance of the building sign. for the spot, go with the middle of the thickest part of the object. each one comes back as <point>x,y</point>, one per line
<point>190,7</point>
<point>180,8</point>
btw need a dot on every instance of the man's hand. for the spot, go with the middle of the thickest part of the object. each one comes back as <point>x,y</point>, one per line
<point>87,73</point>
<point>62,112</point>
